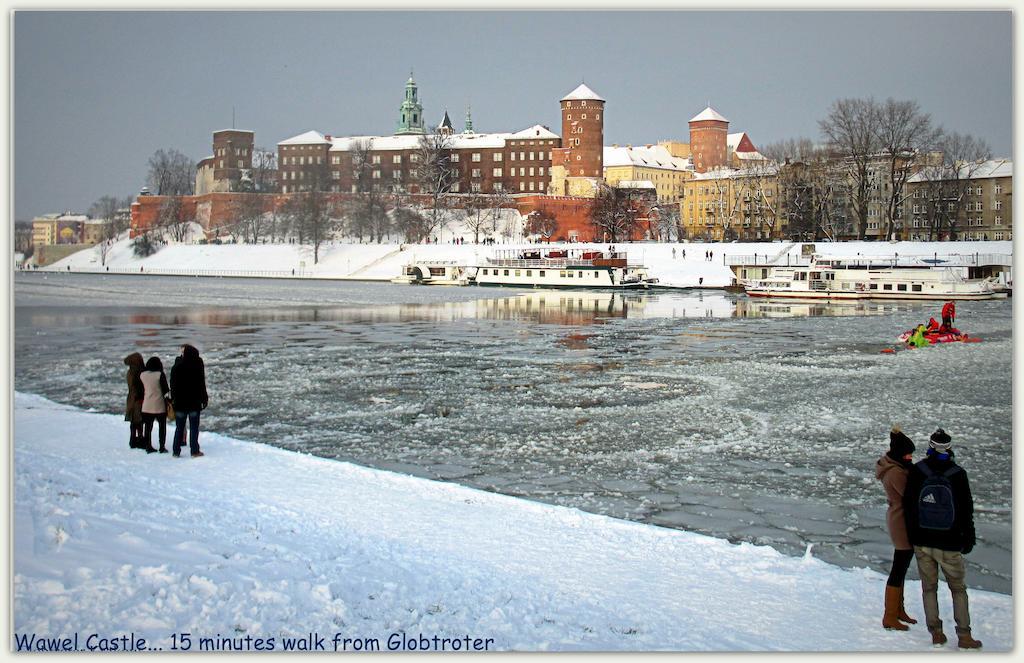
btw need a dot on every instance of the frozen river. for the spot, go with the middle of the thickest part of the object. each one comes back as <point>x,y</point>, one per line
<point>700,410</point>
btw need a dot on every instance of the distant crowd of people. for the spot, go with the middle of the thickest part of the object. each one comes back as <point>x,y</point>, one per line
<point>152,400</point>
<point>930,518</point>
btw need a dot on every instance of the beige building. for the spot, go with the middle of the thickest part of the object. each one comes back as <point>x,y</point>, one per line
<point>726,203</point>
<point>979,203</point>
<point>648,163</point>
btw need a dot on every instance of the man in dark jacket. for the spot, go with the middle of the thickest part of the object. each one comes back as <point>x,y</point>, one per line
<point>188,395</point>
<point>941,528</point>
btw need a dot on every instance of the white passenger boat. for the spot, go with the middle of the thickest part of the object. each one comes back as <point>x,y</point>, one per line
<point>562,268</point>
<point>833,278</point>
<point>434,272</point>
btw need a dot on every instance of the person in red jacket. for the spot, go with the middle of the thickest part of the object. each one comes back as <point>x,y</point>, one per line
<point>948,315</point>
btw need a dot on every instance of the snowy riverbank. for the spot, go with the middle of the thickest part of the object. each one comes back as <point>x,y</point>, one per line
<point>257,542</point>
<point>675,264</point>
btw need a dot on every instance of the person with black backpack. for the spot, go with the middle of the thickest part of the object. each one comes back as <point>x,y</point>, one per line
<point>940,522</point>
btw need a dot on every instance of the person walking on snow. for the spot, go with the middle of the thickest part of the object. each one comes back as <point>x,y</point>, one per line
<point>189,397</point>
<point>133,404</point>
<point>939,511</point>
<point>891,469</point>
<point>948,314</point>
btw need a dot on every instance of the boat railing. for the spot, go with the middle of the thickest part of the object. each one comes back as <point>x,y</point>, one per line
<point>934,259</point>
<point>556,263</point>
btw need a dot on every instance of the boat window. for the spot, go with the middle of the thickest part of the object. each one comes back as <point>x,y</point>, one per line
<point>901,287</point>
<point>595,275</point>
<point>569,274</point>
<point>916,287</point>
<point>517,272</point>
<point>506,272</point>
<point>764,273</point>
<point>541,273</point>
<point>886,286</point>
<point>529,272</point>
<point>561,273</point>
<point>874,286</point>
<point>815,276</point>
<point>485,272</point>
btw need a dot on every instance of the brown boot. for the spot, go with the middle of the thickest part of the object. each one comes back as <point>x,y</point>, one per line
<point>890,620</point>
<point>965,641</point>
<point>902,614</point>
<point>938,638</point>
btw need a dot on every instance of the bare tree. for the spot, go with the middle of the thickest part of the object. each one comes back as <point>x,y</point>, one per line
<point>251,222</point>
<point>411,224</point>
<point>613,214</point>
<point>264,170</point>
<point>171,173</point>
<point>668,222</point>
<point>725,202</point>
<point>435,175</point>
<point>367,214</point>
<point>109,210</point>
<point>851,128</point>
<point>541,223</point>
<point>171,220</point>
<point>946,179</point>
<point>904,134</point>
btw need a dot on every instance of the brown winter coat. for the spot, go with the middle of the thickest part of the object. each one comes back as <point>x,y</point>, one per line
<point>893,476</point>
<point>133,404</point>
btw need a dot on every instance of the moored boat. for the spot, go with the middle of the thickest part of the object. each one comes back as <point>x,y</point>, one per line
<point>827,278</point>
<point>562,268</point>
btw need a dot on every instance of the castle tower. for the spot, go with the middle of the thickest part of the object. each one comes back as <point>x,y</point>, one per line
<point>410,119</point>
<point>469,122</point>
<point>445,128</point>
<point>578,166</point>
<point>709,133</point>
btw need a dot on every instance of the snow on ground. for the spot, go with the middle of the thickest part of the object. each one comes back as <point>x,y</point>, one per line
<point>385,261</point>
<point>256,541</point>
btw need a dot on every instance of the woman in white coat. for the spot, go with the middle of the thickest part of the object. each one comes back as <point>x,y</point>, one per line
<point>154,402</point>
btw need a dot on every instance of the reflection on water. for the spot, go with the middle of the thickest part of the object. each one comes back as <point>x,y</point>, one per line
<point>751,420</point>
<point>557,307</point>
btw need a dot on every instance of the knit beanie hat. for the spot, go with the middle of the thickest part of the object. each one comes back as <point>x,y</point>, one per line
<point>899,444</point>
<point>940,441</point>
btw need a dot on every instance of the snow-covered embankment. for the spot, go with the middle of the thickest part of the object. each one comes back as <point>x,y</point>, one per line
<point>254,541</point>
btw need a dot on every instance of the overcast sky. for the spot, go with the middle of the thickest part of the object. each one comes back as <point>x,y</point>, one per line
<point>96,93</point>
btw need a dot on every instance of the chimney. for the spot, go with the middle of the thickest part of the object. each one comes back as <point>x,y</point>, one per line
<point>648,146</point>
<point>327,137</point>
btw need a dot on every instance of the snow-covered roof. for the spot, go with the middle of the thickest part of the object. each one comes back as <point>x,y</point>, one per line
<point>582,92</point>
<point>308,138</point>
<point>708,113</point>
<point>462,141</point>
<point>768,169</point>
<point>986,170</point>
<point>751,156</point>
<point>536,131</point>
<point>73,217</point>
<point>655,156</point>
<point>636,184</point>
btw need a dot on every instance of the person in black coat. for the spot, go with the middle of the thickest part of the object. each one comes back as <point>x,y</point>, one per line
<point>189,398</point>
<point>936,545</point>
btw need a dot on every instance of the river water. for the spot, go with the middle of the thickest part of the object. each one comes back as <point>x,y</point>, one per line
<point>701,410</point>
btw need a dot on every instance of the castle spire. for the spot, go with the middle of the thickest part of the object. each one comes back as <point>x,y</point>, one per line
<point>469,121</point>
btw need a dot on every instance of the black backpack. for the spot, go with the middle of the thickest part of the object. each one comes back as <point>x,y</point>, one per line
<point>936,508</point>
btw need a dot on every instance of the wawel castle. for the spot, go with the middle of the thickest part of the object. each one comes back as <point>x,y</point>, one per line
<point>720,185</point>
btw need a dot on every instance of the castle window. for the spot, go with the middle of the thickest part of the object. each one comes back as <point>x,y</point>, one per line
<point>522,156</point>
<point>497,156</point>
<point>583,117</point>
<point>597,116</point>
<point>522,172</point>
<point>476,157</point>
<point>396,158</point>
<point>568,117</point>
<point>455,157</point>
<point>512,156</point>
<point>531,156</point>
<point>497,172</point>
<point>476,172</point>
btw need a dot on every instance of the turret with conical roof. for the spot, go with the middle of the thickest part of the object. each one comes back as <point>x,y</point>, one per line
<point>411,111</point>
<point>445,127</point>
<point>709,133</point>
<point>582,135</point>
